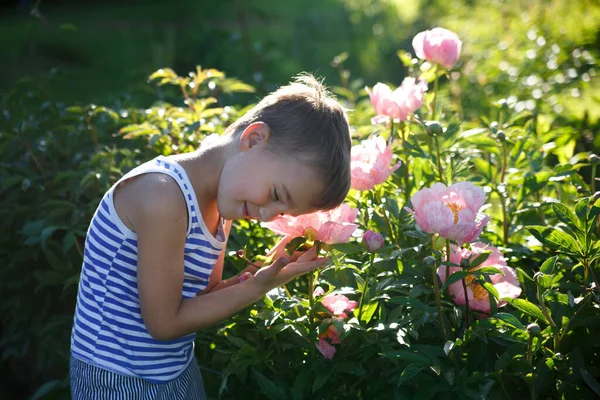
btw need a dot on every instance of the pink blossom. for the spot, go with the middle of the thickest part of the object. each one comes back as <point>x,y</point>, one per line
<point>452,211</point>
<point>338,304</point>
<point>373,241</point>
<point>398,104</point>
<point>325,347</point>
<point>318,291</point>
<point>438,45</point>
<point>507,284</point>
<point>334,226</point>
<point>371,163</point>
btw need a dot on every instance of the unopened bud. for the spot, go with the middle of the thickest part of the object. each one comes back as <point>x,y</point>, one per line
<point>372,241</point>
<point>594,159</point>
<point>502,103</point>
<point>465,263</point>
<point>537,276</point>
<point>434,128</point>
<point>534,329</point>
<point>501,135</point>
<point>429,261</point>
<point>595,197</point>
<point>494,127</point>
<point>241,253</point>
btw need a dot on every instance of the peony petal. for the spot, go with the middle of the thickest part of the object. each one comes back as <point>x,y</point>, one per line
<point>418,44</point>
<point>326,349</point>
<point>435,217</point>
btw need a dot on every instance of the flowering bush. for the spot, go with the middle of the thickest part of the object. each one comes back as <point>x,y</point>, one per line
<point>427,296</point>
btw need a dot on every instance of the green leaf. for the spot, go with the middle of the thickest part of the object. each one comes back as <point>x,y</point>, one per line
<point>528,308</point>
<point>270,388</point>
<point>567,216</point>
<point>348,248</point>
<point>555,239</point>
<point>405,57</point>
<point>321,379</point>
<point>589,379</point>
<point>548,267</point>
<point>581,209</point>
<point>410,372</point>
<point>479,259</point>
<point>510,320</point>
<point>491,289</point>
<point>368,311</point>
<point>301,382</point>
<point>455,277</point>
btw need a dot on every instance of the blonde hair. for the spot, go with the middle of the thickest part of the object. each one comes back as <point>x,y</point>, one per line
<point>307,123</point>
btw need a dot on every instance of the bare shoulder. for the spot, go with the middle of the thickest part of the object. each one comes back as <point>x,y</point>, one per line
<point>148,199</point>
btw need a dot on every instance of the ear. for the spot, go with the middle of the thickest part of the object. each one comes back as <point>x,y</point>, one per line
<point>255,133</point>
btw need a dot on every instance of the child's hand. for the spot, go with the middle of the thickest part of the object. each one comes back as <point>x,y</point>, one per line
<point>278,250</point>
<point>284,270</point>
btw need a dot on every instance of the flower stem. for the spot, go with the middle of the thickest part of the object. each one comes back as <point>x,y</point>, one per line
<point>447,258</point>
<point>548,317</point>
<point>439,162</point>
<point>290,296</point>
<point>438,301</point>
<point>366,288</point>
<point>593,179</point>
<point>464,285</point>
<point>435,92</point>
<point>504,161</point>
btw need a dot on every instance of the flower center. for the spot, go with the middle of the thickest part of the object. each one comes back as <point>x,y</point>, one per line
<point>455,208</point>
<point>479,292</point>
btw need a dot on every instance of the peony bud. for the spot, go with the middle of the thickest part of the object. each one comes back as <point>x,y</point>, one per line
<point>241,253</point>
<point>534,329</point>
<point>501,135</point>
<point>434,128</point>
<point>494,127</point>
<point>429,261</point>
<point>373,241</point>
<point>594,159</point>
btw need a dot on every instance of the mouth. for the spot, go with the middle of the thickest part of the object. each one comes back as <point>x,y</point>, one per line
<point>245,210</point>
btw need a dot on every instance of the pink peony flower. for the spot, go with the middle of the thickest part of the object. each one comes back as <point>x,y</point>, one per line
<point>507,285</point>
<point>373,241</point>
<point>438,45</point>
<point>452,211</point>
<point>400,103</point>
<point>326,348</point>
<point>371,163</point>
<point>338,304</point>
<point>334,226</point>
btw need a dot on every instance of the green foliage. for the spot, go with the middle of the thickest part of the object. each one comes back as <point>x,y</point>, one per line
<point>402,341</point>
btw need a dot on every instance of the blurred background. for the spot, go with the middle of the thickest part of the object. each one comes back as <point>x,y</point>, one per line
<point>539,56</point>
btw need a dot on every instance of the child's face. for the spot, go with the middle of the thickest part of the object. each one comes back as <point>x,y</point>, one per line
<point>257,184</point>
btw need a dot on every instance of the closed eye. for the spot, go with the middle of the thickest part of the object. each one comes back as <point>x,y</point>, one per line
<point>275,195</point>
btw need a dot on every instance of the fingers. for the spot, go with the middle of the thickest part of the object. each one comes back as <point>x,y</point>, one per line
<point>266,274</point>
<point>308,255</point>
<point>297,268</point>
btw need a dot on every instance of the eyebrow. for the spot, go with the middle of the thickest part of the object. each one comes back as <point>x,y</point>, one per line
<point>288,195</point>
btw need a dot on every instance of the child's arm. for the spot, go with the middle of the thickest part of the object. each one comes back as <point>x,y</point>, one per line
<point>160,220</point>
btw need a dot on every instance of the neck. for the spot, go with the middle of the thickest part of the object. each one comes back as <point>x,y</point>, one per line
<point>204,167</point>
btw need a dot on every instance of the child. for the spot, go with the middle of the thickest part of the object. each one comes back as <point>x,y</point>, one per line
<point>154,251</point>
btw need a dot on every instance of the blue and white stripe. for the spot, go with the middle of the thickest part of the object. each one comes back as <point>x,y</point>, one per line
<point>108,329</point>
<point>89,382</point>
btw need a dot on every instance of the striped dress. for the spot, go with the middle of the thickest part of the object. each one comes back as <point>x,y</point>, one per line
<point>108,331</point>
